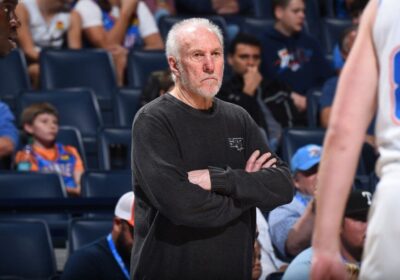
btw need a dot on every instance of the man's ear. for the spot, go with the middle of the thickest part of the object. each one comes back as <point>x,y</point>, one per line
<point>173,66</point>
<point>278,12</point>
<point>117,224</point>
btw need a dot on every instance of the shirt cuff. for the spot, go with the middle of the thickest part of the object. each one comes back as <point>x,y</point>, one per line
<point>219,181</point>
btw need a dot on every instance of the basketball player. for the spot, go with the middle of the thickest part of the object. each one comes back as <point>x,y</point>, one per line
<point>8,26</point>
<point>373,67</point>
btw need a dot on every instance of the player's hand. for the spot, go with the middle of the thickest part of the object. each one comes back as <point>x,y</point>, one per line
<point>252,79</point>
<point>327,266</point>
<point>201,178</point>
<point>257,161</point>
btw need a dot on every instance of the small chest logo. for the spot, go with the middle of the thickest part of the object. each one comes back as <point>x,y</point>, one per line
<point>236,143</point>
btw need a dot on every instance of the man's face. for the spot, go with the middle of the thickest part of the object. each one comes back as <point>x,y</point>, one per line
<point>201,64</point>
<point>292,16</point>
<point>124,240</point>
<point>306,181</point>
<point>245,56</point>
<point>353,236</point>
<point>8,26</point>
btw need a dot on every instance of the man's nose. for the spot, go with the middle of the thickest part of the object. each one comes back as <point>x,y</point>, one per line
<point>209,64</point>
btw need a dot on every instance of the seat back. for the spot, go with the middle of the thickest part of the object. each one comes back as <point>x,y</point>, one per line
<point>76,107</point>
<point>257,26</point>
<point>90,68</point>
<point>141,63</point>
<point>83,231</point>
<point>295,138</point>
<point>68,135</point>
<point>332,29</point>
<point>127,103</point>
<point>263,9</point>
<point>313,97</point>
<point>14,77</point>
<point>99,184</point>
<point>26,250</point>
<point>115,148</point>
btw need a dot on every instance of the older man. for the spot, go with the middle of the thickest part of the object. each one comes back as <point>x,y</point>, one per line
<point>8,26</point>
<point>201,167</point>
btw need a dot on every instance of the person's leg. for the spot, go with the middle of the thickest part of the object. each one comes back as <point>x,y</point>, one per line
<point>381,251</point>
<point>34,71</point>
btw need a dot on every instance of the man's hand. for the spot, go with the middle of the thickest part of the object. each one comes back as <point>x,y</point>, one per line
<point>252,79</point>
<point>257,161</point>
<point>299,101</point>
<point>222,7</point>
<point>201,178</point>
<point>327,265</point>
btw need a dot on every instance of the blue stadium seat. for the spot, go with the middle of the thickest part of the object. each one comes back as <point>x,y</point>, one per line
<point>68,135</point>
<point>296,138</point>
<point>127,103</point>
<point>115,148</point>
<point>313,97</point>
<point>141,63</point>
<point>90,68</point>
<point>83,231</point>
<point>14,77</point>
<point>115,183</point>
<point>77,108</point>
<point>256,26</point>
<point>332,29</point>
<point>263,9</point>
<point>35,185</point>
<point>26,250</point>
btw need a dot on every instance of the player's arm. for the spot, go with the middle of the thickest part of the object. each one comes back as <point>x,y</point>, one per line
<point>352,111</point>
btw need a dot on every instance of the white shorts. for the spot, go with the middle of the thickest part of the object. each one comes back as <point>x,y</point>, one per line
<point>381,258</point>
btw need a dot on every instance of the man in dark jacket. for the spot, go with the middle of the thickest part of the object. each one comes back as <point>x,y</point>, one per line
<point>290,54</point>
<point>269,102</point>
<point>201,168</point>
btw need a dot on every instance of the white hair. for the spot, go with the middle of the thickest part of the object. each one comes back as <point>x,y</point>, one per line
<point>173,43</point>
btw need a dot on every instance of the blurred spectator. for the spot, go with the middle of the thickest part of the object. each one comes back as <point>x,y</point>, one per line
<point>43,153</point>
<point>161,8</point>
<point>119,27</point>
<point>108,257</point>
<point>159,82</point>
<point>257,269</point>
<point>329,88</point>
<point>290,54</point>
<point>8,26</point>
<point>270,263</point>
<point>45,24</point>
<point>291,225</point>
<point>269,102</point>
<point>356,10</point>
<point>8,135</point>
<point>352,237</point>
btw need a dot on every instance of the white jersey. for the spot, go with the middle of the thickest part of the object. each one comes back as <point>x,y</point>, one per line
<point>46,34</point>
<point>386,35</point>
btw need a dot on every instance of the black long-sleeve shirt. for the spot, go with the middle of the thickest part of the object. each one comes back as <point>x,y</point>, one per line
<point>181,230</point>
